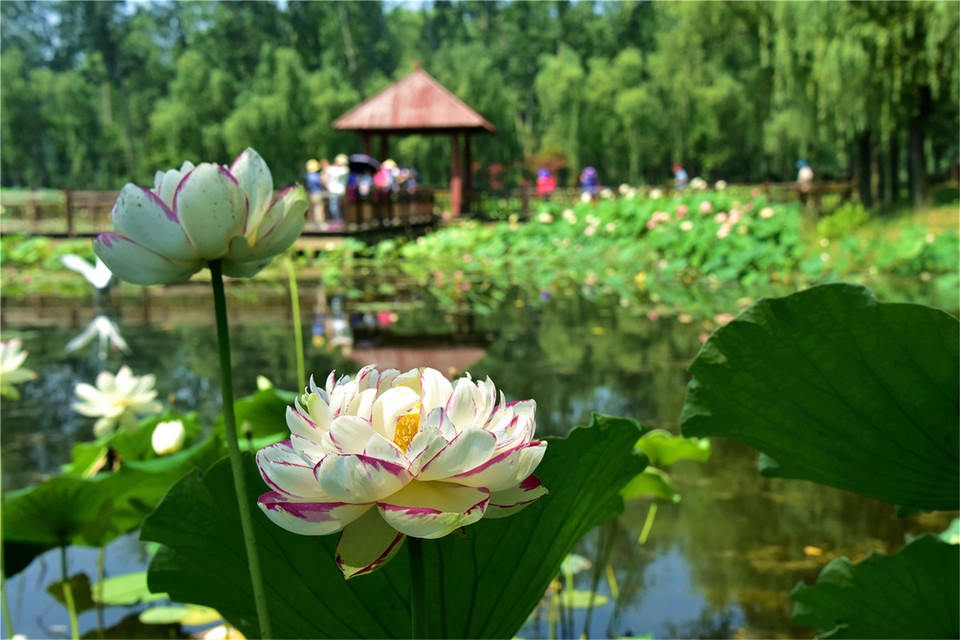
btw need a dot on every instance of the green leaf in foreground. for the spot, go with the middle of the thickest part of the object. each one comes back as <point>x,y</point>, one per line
<point>837,388</point>
<point>913,594</point>
<point>93,511</point>
<point>483,585</point>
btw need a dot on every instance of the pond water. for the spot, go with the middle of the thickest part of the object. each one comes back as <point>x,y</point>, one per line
<point>719,563</point>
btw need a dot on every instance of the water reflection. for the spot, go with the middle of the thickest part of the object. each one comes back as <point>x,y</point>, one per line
<point>720,563</point>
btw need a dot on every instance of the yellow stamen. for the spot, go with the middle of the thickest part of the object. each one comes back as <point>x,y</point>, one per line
<point>407,427</point>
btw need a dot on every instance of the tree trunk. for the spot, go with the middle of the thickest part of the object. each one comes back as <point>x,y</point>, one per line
<point>864,154</point>
<point>916,155</point>
<point>878,179</point>
<point>893,166</point>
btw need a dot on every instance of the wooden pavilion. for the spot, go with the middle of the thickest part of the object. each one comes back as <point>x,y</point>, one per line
<point>418,104</point>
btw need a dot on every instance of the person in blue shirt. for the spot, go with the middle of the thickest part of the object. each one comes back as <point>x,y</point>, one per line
<point>680,176</point>
<point>590,184</point>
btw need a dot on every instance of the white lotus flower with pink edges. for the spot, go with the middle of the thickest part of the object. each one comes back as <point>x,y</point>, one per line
<point>393,454</point>
<point>201,213</point>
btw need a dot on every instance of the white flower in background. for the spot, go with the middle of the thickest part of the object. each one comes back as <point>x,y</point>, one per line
<point>656,194</point>
<point>720,185</point>
<point>106,332</point>
<point>544,217</point>
<point>766,213</point>
<point>606,193</point>
<point>168,437</point>
<point>12,357</point>
<point>570,216</point>
<point>96,274</point>
<point>698,184</point>
<point>201,213</point>
<point>117,400</point>
<point>399,454</point>
<point>585,197</point>
<point>623,189</point>
<point>686,225</point>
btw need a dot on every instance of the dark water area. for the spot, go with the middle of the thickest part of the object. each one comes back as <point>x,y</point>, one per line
<point>721,562</point>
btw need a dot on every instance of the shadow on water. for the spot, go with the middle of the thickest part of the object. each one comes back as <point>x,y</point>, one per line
<point>720,563</point>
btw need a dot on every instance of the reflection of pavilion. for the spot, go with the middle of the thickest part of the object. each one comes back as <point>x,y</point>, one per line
<point>446,359</point>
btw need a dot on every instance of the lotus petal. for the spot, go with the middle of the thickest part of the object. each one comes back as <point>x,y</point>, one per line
<point>469,450</point>
<point>359,478</point>
<point>211,208</point>
<point>309,518</point>
<point>505,469</point>
<point>254,178</point>
<point>287,472</point>
<point>365,544</point>
<point>508,502</point>
<point>143,217</point>
<point>135,264</point>
<point>433,509</point>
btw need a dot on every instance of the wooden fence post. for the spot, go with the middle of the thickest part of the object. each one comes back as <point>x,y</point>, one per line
<point>71,232</point>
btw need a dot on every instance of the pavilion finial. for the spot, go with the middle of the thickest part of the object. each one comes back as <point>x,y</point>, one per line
<point>416,65</point>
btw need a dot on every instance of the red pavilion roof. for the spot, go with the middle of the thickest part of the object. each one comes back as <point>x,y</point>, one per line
<point>415,104</point>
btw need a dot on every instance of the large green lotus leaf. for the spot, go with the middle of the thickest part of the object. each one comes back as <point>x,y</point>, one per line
<point>93,511</point>
<point>912,594</point>
<point>837,388</point>
<point>261,414</point>
<point>483,585</point>
<point>664,448</point>
<point>652,483</point>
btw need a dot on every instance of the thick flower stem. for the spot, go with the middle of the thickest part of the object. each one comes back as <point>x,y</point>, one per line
<point>4,607</point>
<point>418,600</point>
<point>233,446</point>
<point>297,325</point>
<point>68,595</point>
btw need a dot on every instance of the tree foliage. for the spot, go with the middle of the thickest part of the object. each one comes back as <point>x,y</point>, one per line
<point>95,94</point>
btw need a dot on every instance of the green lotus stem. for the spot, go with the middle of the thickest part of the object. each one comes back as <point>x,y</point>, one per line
<point>7,620</point>
<point>418,600</point>
<point>297,324</point>
<point>553,613</point>
<point>101,557</point>
<point>68,595</point>
<point>233,446</point>
<point>648,524</point>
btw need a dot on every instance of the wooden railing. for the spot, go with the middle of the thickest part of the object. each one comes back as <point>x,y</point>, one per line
<point>71,214</point>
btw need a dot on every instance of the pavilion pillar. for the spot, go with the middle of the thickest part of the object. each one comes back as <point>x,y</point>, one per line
<point>366,142</point>
<point>384,148</point>
<point>455,184</point>
<point>468,175</point>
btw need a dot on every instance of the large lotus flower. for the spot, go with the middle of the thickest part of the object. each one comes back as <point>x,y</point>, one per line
<point>201,213</point>
<point>12,371</point>
<point>117,400</point>
<point>399,454</point>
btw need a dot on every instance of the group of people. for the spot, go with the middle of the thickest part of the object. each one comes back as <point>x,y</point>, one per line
<point>360,179</point>
<point>804,178</point>
<point>589,183</point>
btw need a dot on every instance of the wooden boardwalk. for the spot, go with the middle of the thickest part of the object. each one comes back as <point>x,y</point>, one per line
<point>86,214</point>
